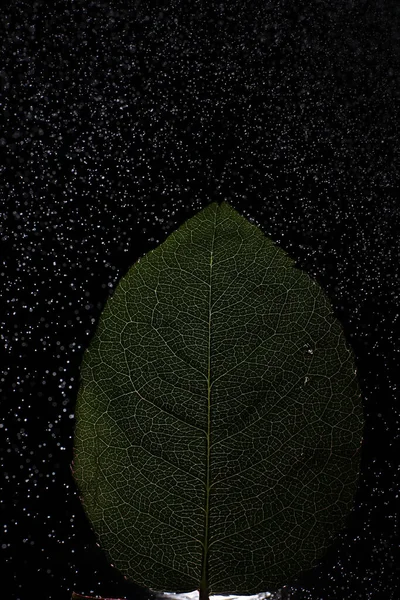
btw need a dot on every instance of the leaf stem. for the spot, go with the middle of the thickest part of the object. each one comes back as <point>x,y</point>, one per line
<point>203,594</point>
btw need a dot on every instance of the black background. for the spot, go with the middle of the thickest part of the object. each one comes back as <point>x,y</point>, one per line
<point>119,122</point>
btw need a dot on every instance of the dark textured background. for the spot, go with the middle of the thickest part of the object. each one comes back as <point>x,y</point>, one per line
<point>118,122</point>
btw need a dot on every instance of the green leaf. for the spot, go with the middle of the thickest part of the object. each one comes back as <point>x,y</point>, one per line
<point>219,417</point>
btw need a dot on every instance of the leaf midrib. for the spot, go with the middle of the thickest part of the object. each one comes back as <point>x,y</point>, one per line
<point>204,570</point>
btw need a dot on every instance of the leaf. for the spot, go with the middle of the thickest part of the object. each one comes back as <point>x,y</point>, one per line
<point>219,416</point>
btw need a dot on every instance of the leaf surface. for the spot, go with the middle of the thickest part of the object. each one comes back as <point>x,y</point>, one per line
<point>219,416</point>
